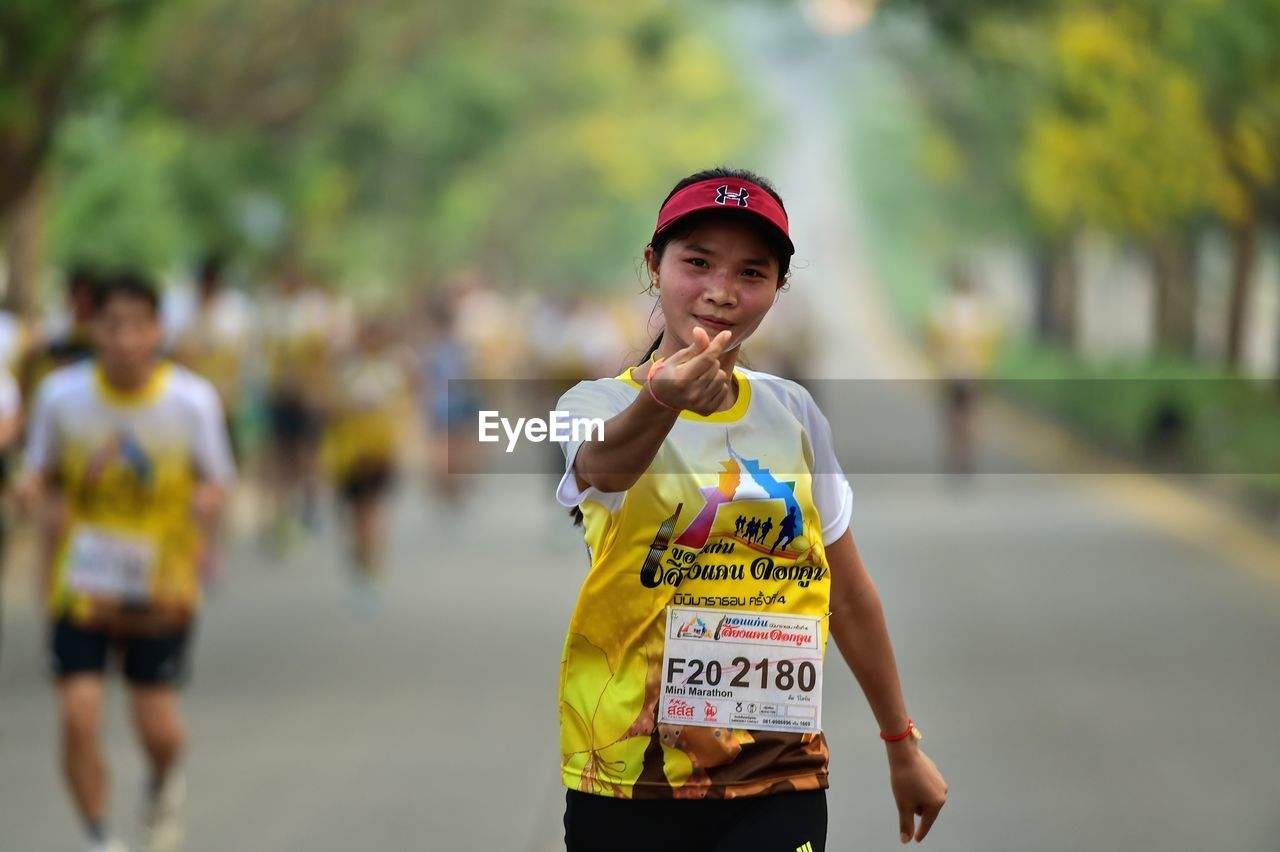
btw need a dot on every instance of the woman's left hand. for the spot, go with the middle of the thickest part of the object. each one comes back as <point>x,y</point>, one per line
<point>918,789</point>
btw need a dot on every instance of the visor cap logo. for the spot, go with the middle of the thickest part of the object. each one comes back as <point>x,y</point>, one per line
<point>724,196</point>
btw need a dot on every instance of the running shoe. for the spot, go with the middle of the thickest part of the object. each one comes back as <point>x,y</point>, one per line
<point>111,845</point>
<point>163,826</point>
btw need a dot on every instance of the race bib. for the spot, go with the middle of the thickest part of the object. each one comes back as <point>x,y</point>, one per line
<point>110,565</point>
<point>735,669</point>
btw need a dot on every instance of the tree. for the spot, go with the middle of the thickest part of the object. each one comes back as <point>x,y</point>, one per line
<point>982,75</point>
<point>1140,119</point>
<point>401,140</point>
<point>1124,145</point>
<point>1232,54</point>
<point>42,48</point>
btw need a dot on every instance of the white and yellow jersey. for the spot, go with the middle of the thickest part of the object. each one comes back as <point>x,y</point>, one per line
<point>127,464</point>
<point>371,401</point>
<point>301,331</point>
<point>215,338</point>
<point>963,334</point>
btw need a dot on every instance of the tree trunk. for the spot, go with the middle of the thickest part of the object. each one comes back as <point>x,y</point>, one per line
<point>1064,293</point>
<point>1276,365</point>
<point>1244,249</point>
<point>39,60</point>
<point>1057,291</point>
<point>24,251</point>
<point>1173,274</point>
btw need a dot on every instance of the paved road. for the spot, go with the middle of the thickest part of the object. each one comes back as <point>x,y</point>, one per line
<point>1087,678</point>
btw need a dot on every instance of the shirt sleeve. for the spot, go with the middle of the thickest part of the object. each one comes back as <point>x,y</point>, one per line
<point>212,450</point>
<point>596,400</point>
<point>42,440</point>
<point>832,494</point>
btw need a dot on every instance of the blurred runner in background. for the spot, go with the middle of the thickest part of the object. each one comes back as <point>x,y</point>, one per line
<point>65,339</point>
<point>574,339</point>
<point>450,413</point>
<point>209,328</point>
<point>68,337</point>
<point>301,328</point>
<point>127,459</point>
<point>489,326</point>
<point>370,405</point>
<point>571,339</point>
<point>963,333</point>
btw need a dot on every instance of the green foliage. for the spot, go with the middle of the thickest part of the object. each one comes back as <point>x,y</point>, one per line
<point>1131,116</point>
<point>42,45</point>
<point>1231,50</point>
<point>124,211</point>
<point>1122,141</point>
<point>527,142</point>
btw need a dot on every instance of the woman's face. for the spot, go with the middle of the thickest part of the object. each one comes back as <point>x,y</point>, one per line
<point>722,275</point>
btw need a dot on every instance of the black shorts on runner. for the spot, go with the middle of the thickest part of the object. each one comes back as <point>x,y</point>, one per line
<point>782,822</point>
<point>292,420</point>
<point>146,660</point>
<point>366,481</point>
<point>960,394</point>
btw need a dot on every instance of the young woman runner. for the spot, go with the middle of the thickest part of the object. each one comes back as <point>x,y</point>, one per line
<point>716,518</point>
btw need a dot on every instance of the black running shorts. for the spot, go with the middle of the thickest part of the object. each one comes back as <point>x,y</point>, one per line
<point>781,822</point>
<point>146,660</point>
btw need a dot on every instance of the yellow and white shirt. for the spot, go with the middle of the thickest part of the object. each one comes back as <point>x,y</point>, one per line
<point>372,400</point>
<point>964,335</point>
<point>301,332</point>
<point>213,338</point>
<point>127,464</point>
<point>733,513</point>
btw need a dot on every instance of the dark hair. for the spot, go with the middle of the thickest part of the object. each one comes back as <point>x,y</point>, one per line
<point>83,277</point>
<point>211,268</point>
<point>440,312</point>
<point>780,249</point>
<point>129,285</point>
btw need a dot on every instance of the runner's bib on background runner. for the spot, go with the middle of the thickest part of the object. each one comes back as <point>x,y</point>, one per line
<point>737,669</point>
<point>110,565</point>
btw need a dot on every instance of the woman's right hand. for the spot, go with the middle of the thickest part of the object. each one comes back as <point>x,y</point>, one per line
<point>691,378</point>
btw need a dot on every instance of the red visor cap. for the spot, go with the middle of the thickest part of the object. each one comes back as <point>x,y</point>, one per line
<point>730,194</point>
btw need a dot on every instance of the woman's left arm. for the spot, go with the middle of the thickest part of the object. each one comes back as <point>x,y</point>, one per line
<point>858,626</point>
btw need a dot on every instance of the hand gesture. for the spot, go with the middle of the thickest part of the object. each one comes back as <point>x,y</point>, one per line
<point>691,378</point>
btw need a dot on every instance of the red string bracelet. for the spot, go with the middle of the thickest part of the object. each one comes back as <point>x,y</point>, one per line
<point>648,383</point>
<point>911,730</point>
